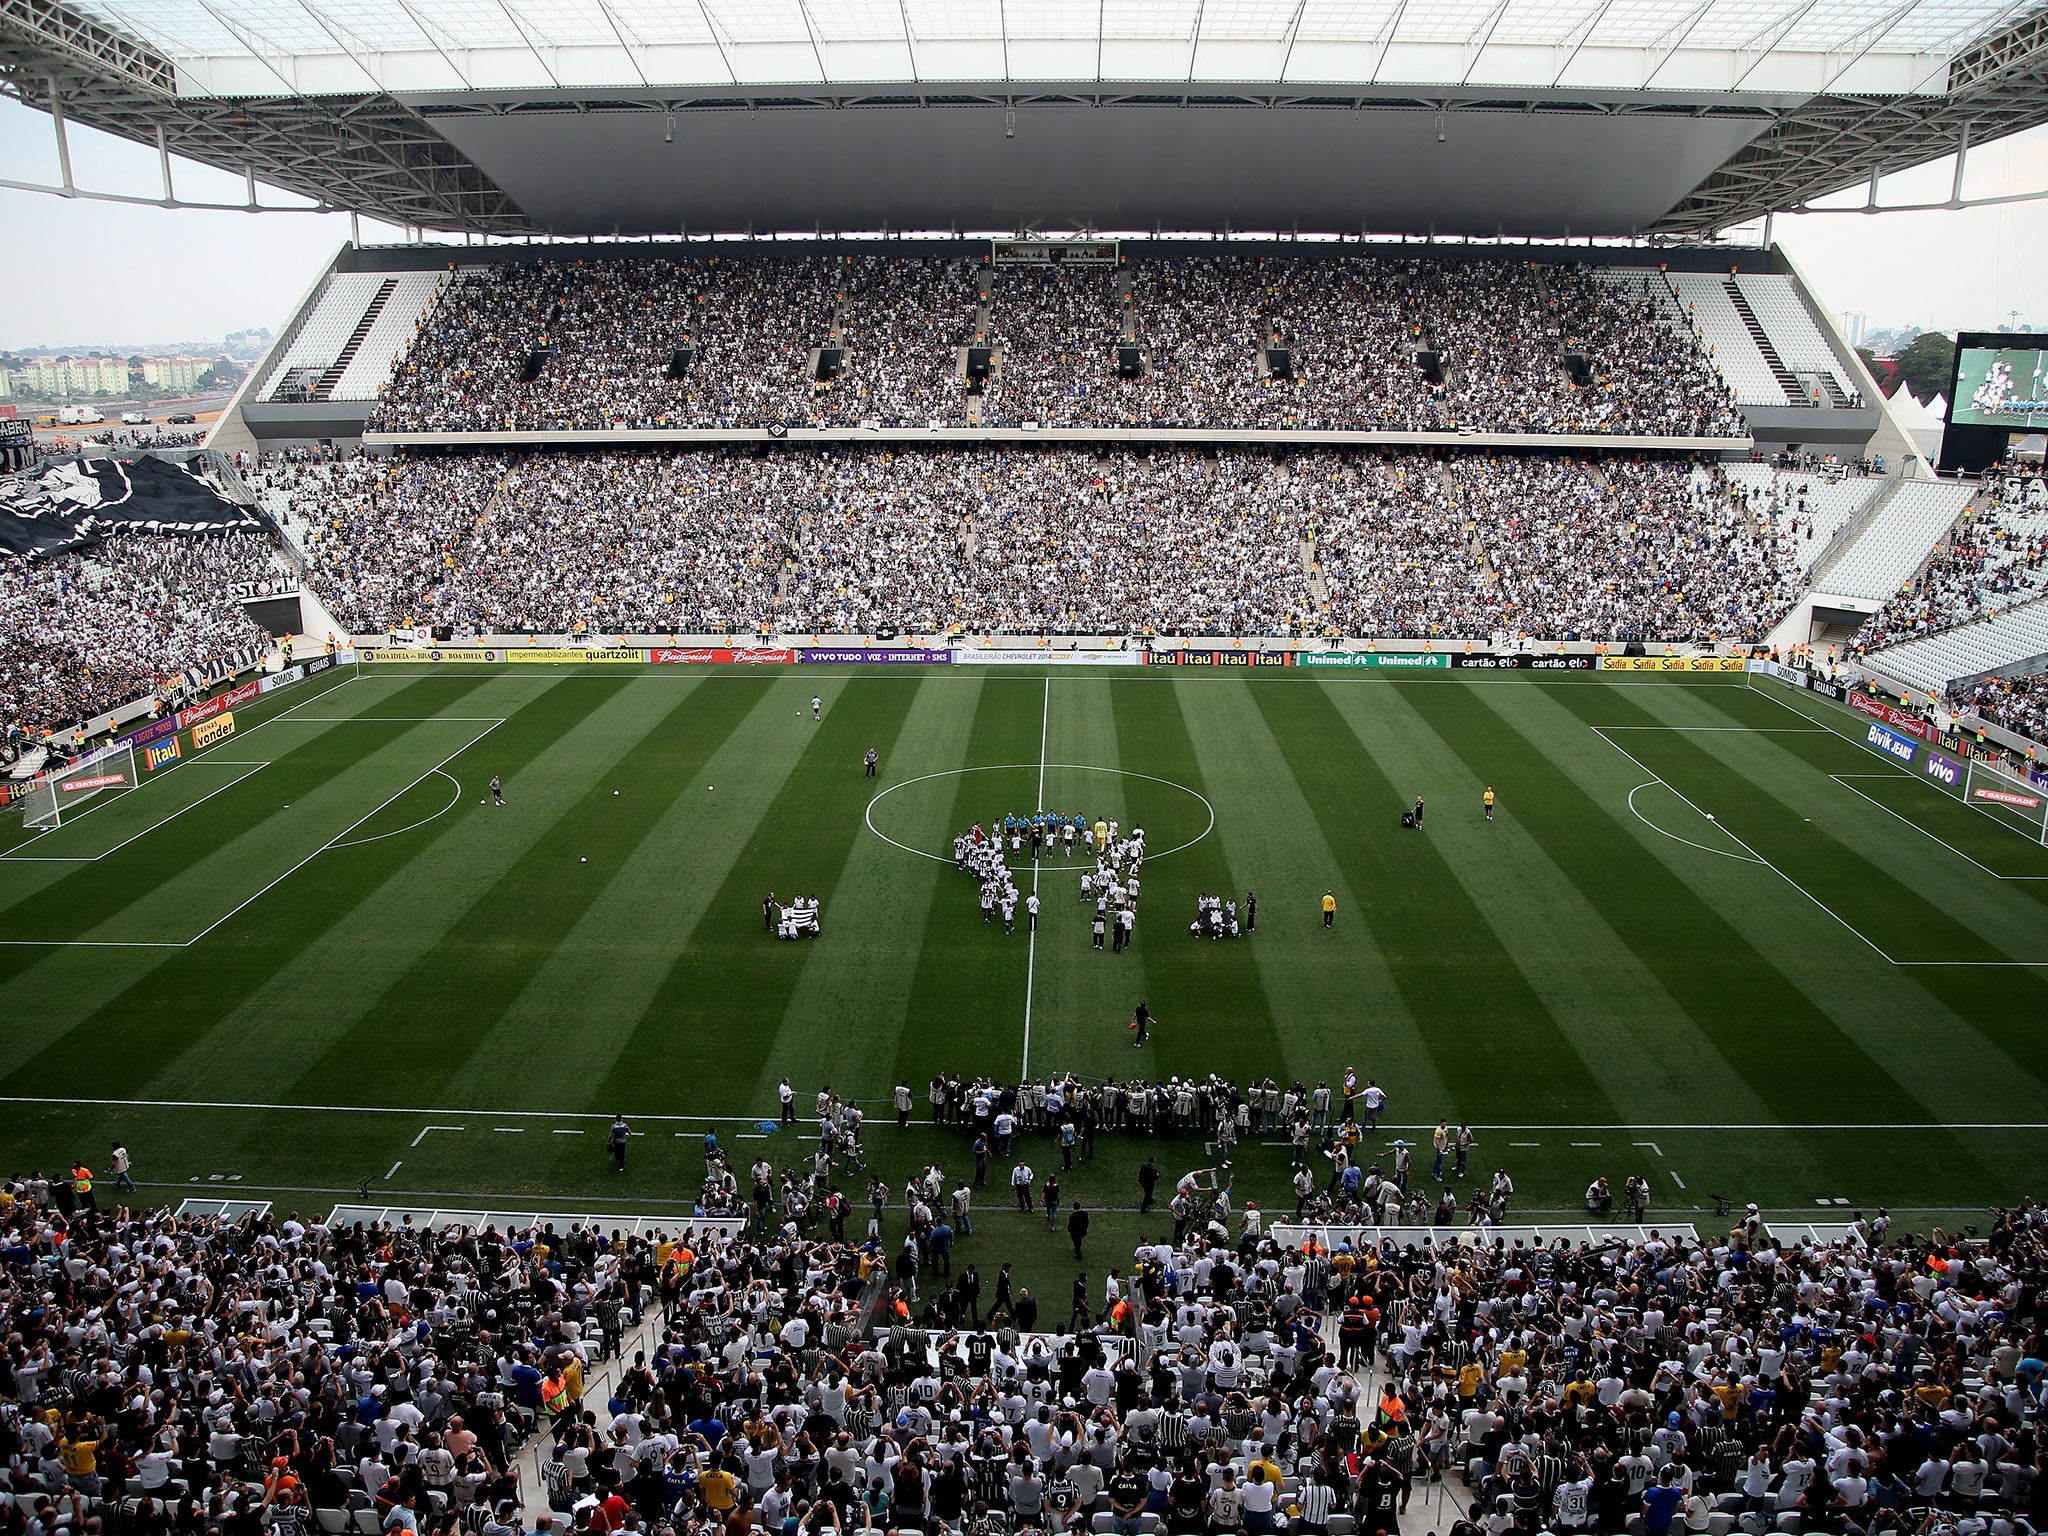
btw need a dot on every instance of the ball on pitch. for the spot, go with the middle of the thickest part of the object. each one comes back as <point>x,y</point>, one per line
<point>583,861</point>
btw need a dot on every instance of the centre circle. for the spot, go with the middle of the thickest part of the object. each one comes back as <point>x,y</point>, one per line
<point>1060,797</point>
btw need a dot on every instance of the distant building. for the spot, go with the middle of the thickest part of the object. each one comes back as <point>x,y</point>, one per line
<point>174,372</point>
<point>6,384</point>
<point>75,376</point>
<point>1852,327</point>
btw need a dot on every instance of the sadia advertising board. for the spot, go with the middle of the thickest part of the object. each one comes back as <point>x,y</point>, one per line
<point>1673,663</point>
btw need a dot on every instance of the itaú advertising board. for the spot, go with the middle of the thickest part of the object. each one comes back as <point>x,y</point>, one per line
<point>1216,658</point>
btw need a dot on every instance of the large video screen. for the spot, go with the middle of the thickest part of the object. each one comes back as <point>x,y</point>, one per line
<point>2004,386</point>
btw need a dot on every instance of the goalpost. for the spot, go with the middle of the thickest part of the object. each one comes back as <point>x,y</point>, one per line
<point>56,797</point>
<point>2015,802</point>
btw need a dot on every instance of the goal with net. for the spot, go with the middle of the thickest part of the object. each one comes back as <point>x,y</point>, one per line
<point>2020,805</point>
<point>57,797</point>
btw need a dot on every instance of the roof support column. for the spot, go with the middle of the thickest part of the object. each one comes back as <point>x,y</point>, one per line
<point>63,141</point>
<point>163,165</point>
<point>1955,191</point>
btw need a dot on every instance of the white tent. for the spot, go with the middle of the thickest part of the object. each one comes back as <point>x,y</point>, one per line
<point>1938,407</point>
<point>1921,426</point>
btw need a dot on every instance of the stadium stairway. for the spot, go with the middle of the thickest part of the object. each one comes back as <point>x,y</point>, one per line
<point>1795,392</point>
<point>347,355</point>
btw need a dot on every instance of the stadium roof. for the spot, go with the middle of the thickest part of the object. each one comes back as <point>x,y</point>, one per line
<point>540,116</point>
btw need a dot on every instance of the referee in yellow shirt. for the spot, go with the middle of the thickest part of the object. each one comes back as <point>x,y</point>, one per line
<point>1329,909</point>
<point>1488,799</point>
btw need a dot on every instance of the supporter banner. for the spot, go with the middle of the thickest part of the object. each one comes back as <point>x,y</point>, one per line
<point>2007,797</point>
<point>751,656</point>
<point>1673,663</point>
<point>1525,663</point>
<point>1219,658</point>
<point>1945,769</point>
<point>1890,742</point>
<point>1398,661</point>
<point>880,657</point>
<point>1898,719</point>
<point>154,757</point>
<point>566,654</point>
<point>282,679</point>
<point>270,586</point>
<point>206,734</point>
<point>1050,658</point>
<point>73,503</point>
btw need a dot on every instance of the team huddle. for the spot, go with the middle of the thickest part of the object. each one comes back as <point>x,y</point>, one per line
<point>1113,884</point>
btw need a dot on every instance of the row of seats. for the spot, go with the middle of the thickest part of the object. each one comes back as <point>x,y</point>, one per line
<point>1790,326</point>
<point>408,308</point>
<point>343,300</point>
<point>1934,661</point>
<point>1897,540</point>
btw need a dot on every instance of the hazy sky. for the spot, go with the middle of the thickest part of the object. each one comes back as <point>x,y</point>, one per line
<point>77,273</point>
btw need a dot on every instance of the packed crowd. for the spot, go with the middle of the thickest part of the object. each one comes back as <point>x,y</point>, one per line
<point>196,1377</point>
<point>2017,703</point>
<point>1994,559</point>
<point>732,340</point>
<point>1038,540</point>
<point>89,630</point>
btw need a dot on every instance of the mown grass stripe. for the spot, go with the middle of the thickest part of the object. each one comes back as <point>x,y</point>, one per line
<point>1768,1026</point>
<point>120,1044</point>
<point>490,950</point>
<point>724,994</point>
<point>965,1010</point>
<point>1589,978</point>
<point>1458,982</point>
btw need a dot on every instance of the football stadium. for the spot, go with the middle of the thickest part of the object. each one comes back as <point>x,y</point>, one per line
<point>999,766</point>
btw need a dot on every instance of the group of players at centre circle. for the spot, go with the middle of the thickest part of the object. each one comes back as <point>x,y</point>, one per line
<point>1113,885</point>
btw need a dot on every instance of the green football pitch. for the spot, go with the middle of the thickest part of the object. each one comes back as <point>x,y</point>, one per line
<point>1709,938</point>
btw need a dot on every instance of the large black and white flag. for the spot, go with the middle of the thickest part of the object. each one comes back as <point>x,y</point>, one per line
<point>70,503</point>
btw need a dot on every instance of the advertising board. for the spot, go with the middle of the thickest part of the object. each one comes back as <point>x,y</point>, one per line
<point>1945,769</point>
<point>156,755</point>
<point>1485,662</point>
<point>1218,658</point>
<point>569,654</point>
<point>155,730</point>
<point>210,731</point>
<point>1890,742</point>
<point>2007,797</point>
<point>1897,719</point>
<point>1427,661</point>
<point>282,679</point>
<point>1047,658</point>
<point>1673,663</point>
<point>875,656</point>
<point>92,781</point>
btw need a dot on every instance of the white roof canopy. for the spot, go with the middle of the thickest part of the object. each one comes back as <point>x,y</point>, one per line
<point>312,47</point>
